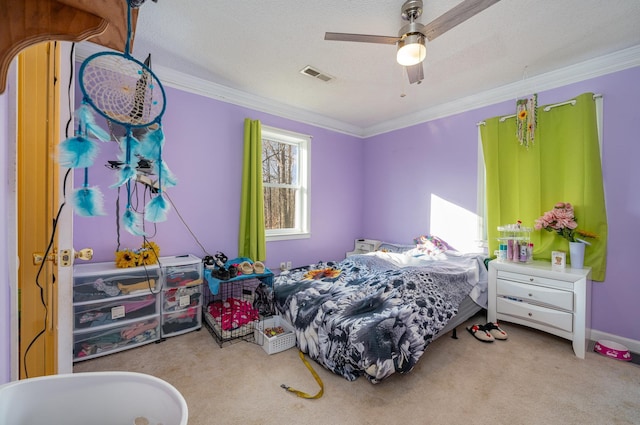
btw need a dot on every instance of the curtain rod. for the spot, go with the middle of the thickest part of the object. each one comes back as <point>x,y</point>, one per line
<point>568,102</point>
<point>546,109</point>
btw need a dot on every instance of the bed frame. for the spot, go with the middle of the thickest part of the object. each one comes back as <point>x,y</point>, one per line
<point>467,310</point>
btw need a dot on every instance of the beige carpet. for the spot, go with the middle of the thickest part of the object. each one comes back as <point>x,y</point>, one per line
<point>533,378</point>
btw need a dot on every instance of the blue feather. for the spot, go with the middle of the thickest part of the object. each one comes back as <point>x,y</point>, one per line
<point>88,123</point>
<point>124,174</point>
<point>133,146</point>
<point>88,201</point>
<point>151,144</point>
<point>132,223</point>
<point>77,152</point>
<point>166,177</point>
<point>156,210</point>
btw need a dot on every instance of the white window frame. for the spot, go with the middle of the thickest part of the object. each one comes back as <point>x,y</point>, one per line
<point>303,193</point>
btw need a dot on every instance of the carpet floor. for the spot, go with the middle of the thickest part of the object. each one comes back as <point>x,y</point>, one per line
<point>532,378</point>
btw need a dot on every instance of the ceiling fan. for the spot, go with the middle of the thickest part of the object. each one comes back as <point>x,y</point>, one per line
<point>411,37</point>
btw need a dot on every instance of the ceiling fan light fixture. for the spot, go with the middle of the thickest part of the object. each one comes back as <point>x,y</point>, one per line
<point>411,50</point>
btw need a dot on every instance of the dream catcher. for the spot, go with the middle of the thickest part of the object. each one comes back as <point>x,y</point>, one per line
<point>126,92</point>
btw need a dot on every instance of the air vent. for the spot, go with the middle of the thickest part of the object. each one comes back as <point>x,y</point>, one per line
<point>314,73</point>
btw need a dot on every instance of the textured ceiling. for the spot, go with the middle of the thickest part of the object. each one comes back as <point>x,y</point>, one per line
<point>258,47</point>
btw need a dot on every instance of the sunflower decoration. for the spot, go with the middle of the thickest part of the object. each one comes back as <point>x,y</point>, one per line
<point>149,253</point>
<point>327,273</point>
<point>145,256</point>
<point>126,258</point>
<point>526,118</point>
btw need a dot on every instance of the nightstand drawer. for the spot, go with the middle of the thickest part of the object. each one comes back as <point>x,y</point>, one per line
<point>535,280</point>
<point>536,294</point>
<point>365,246</point>
<point>547,316</point>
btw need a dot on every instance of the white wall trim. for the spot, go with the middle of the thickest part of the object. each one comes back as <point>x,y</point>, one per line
<point>65,222</point>
<point>607,64</point>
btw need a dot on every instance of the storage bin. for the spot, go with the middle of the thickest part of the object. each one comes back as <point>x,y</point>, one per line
<point>277,343</point>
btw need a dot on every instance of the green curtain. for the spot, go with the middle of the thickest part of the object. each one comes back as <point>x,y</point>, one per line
<point>562,165</point>
<point>251,239</point>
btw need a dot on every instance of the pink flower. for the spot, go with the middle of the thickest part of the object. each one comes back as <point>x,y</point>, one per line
<point>560,219</point>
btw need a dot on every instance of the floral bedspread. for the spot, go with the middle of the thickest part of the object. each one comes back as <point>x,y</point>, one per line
<point>371,314</point>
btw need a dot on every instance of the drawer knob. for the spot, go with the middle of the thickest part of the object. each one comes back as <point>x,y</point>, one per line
<point>530,294</point>
<point>530,314</point>
<point>530,279</point>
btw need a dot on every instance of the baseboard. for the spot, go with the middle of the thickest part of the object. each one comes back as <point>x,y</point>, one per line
<point>632,344</point>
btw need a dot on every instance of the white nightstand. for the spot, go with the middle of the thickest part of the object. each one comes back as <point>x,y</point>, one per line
<point>362,246</point>
<point>557,301</point>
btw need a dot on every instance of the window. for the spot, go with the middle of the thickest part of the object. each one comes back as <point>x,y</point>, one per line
<point>285,180</point>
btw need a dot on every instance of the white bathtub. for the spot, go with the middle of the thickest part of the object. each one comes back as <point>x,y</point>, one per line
<point>118,398</point>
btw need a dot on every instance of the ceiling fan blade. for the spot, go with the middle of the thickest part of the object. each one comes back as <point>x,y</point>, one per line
<point>415,73</point>
<point>362,38</point>
<point>455,16</point>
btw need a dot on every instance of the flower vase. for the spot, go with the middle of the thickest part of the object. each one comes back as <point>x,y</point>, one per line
<point>576,254</point>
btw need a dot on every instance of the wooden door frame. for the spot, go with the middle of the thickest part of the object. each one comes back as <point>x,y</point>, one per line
<point>62,317</point>
<point>36,178</point>
<point>65,219</point>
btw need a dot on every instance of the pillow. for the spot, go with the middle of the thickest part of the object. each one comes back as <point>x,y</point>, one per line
<point>431,245</point>
<point>395,248</point>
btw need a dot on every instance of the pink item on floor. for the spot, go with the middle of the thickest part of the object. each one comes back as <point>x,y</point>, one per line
<point>233,313</point>
<point>613,350</point>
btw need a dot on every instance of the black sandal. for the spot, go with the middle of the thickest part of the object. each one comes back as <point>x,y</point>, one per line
<point>221,274</point>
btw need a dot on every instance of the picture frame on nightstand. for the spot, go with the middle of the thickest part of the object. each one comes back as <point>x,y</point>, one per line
<point>558,259</point>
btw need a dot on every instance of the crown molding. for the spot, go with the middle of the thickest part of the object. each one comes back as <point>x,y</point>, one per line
<point>607,64</point>
<point>202,87</point>
<point>613,62</point>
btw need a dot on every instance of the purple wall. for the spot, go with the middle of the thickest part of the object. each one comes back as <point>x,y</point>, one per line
<point>403,168</point>
<point>376,188</point>
<point>204,142</point>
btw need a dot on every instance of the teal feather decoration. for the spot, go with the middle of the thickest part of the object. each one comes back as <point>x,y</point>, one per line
<point>151,144</point>
<point>124,174</point>
<point>166,177</point>
<point>157,209</point>
<point>87,123</point>
<point>132,222</point>
<point>88,201</point>
<point>130,143</point>
<point>77,152</point>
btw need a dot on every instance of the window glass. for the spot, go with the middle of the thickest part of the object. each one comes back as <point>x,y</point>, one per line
<point>285,171</point>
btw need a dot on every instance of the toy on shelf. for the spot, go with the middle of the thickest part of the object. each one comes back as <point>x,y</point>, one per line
<point>515,243</point>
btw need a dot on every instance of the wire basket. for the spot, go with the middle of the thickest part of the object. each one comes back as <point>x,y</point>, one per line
<point>277,343</point>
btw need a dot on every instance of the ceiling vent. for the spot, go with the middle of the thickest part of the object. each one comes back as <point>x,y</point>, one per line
<point>312,72</point>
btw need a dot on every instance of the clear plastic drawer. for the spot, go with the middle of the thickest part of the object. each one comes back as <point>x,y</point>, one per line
<point>187,274</point>
<point>89,285</point>
<point>182,321</point>
<point>180,298</point>
<point>90,344</point>
<point>118,310</point>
